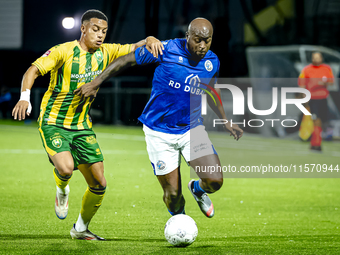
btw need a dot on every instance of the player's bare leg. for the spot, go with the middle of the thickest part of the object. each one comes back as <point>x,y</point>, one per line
<point>64,165</point>
<point>316,138</point>
<point>92,200</point>
<point>209,182</point>
<point>172,188</point>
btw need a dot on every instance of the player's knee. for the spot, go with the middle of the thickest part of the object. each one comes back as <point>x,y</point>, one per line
<point>65,170</point>
<point>102,182</point>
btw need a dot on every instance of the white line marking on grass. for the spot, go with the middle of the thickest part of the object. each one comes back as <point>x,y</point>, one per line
<point>255,144</point>
<point>120,136</point>
<point>105,152</point>
<point>100,135</point>
<point>19,128</point>
<point>294,150</point>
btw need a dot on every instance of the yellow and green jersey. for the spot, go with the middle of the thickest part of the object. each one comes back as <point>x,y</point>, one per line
<point>71,67</point>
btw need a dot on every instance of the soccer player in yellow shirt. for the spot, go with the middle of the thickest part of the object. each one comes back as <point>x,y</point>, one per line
<point>64,123</point>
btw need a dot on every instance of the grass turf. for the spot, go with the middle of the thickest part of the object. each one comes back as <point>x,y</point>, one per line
<point>253,215</point>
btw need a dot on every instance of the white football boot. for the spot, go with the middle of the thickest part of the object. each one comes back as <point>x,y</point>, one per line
<point>61,204</point>
<point>84,235</point>
<point>203,202</point>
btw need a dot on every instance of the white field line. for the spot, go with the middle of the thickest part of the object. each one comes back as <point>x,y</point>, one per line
<point>252,144</point>
<point>274,151</point>
<point>120,136</point>
<point>100,135</point>
<point>105,152</point>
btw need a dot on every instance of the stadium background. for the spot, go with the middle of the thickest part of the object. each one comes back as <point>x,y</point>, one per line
<point>253,215</point>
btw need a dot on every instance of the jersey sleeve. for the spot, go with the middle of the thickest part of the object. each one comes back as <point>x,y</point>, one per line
<point>330,76</point>
<point>217,73</point>
<point>117,50</point>
<point>215,77</point>
<point>143,56</point>
<point>49,60</point>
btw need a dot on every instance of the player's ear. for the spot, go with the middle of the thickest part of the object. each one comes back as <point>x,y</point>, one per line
<point>82,28</point>
<point>187,35</point>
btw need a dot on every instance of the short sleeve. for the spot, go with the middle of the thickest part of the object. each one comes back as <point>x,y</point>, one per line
<point>117,50</point>
<point>49,60</point>
<point>331,76</point>
<point>143,56</point>
<point>217,73</point>
<point>124,50</point>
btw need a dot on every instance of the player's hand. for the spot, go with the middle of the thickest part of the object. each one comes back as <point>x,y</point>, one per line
<point>21,109</point>
<point>87,90</point>
<point>234,130</point>
<point>154,46</point>
<point>322,83</point>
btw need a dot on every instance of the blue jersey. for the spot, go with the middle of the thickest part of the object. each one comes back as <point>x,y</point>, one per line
<point>175,102</point>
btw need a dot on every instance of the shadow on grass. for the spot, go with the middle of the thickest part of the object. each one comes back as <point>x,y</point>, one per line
<point>60,237</point>
<point>136,239</point>
<point>188,247</point>
<point>30,236</point>
<point>157,240</point>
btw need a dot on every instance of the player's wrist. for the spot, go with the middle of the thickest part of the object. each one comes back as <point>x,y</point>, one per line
<point>97,82</point>
<point>25,95</point>
<point>148,38</point>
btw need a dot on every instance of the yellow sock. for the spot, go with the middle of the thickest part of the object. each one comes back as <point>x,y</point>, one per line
<point>92,200</point>
<point>61,181</point>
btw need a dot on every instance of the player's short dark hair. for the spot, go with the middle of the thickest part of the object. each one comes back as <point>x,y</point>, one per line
<point>93,14</point>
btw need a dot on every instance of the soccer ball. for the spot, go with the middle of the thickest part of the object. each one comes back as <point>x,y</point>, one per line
<point>180,230</point>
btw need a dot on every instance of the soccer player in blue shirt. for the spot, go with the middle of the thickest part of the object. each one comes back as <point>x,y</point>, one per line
<point>172,117</point>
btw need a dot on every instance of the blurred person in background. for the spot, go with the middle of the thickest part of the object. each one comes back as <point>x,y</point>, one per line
<point>316,77</point>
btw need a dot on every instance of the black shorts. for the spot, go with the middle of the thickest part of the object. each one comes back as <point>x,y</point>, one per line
<point>319,109</point>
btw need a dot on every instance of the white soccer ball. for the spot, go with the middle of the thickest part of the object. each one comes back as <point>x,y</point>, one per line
<point>180,230</point>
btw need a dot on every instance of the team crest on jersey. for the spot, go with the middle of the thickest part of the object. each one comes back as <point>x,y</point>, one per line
<point>160,164</point>
<point>208,65</point>
<point>91,139</point>
<point>99,56</point>
<point>46,53</point>
<point>180,59</point>
<point>57,142</point>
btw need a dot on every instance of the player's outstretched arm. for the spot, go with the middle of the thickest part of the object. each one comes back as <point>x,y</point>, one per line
<point>152,44</point>
<point>234,129</point>
<point>24,105</point>
<point>114,68</point>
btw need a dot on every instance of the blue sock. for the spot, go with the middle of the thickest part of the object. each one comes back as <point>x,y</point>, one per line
<point>198,191</point>
<point>179,212</point>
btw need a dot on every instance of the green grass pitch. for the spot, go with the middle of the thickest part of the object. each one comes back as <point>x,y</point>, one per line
<point>252,215</point>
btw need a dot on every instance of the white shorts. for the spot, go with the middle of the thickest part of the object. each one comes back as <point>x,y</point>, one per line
<point>165,149</point>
